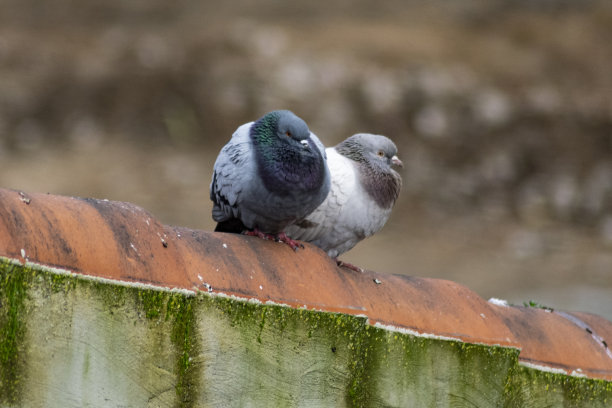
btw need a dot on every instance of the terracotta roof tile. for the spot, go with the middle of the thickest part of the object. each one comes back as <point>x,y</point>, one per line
<point>122,241</point>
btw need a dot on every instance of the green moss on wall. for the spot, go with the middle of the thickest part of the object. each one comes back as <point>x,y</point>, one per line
<point>164,306</point>
<point>377,362</point>
<point>275,355</point>
<point>529,387</point>
<point>154,305</point>
<point>364,342</point>
<point>14,282</point>
<point>181,310</point>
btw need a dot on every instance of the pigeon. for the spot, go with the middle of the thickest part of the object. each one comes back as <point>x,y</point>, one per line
<point>364,188</point>
<point>271,173</point>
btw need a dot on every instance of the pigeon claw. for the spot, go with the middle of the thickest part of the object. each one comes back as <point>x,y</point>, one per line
<point>258,233</point>
<point>347,265</point>
<point>282,237</point>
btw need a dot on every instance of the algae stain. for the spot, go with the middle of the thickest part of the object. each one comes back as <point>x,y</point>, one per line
<point>528,385</point>
<point>348,336</point>
<point>181,310</point>
<point>57,282</point>
<point>86,363</point>
<point>366,345</point>
<point>363,341</point>
<point>360,341</point>
<point>153,302</point>
<point>14,283</point>
<point>262,324</point>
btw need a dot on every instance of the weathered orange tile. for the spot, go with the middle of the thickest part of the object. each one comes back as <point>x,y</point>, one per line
<point>121,241</point>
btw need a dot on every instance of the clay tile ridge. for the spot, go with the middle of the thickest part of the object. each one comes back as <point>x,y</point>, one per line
<point>123,242</point>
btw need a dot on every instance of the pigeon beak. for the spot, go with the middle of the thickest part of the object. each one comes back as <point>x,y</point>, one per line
<point>305,144</point>
<point>396,161</point>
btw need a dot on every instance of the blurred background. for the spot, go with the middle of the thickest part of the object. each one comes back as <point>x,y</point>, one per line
<point>502,112</point>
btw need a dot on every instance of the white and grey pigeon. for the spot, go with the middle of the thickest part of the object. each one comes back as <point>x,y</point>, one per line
<point>364,187</point>
<point>271,173</point>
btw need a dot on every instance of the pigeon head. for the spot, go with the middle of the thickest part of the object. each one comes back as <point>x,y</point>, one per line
<point>287,158</point>
<point>281,127</point>
<point>293,128</point>
<point>371,150</point>
<point>378,150</point>
<point>375,156</point>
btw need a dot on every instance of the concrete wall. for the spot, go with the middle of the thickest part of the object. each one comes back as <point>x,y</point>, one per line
<point>74,341</point>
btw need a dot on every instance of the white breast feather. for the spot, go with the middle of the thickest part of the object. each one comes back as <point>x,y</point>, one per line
<point>347,215</point>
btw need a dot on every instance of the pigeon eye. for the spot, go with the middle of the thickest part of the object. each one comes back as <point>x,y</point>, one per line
<point>380,153</point>
<point>288,133</point>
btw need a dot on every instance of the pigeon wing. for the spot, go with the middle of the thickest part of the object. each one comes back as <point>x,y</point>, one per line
<point>233,171</point>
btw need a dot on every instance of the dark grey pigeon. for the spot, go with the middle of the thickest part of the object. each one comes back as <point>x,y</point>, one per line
<point>364,188</point>
<point>271,173</point>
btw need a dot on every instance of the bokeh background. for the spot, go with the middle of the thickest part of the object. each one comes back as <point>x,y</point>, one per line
<point>502,112</point>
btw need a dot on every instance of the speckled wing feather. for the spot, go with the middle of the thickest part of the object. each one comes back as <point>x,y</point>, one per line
<point>233,170</point>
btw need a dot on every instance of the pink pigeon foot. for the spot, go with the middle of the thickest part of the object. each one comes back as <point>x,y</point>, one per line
<point>347,265</point>
<point>258,233</point>
<point>282,237</point>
